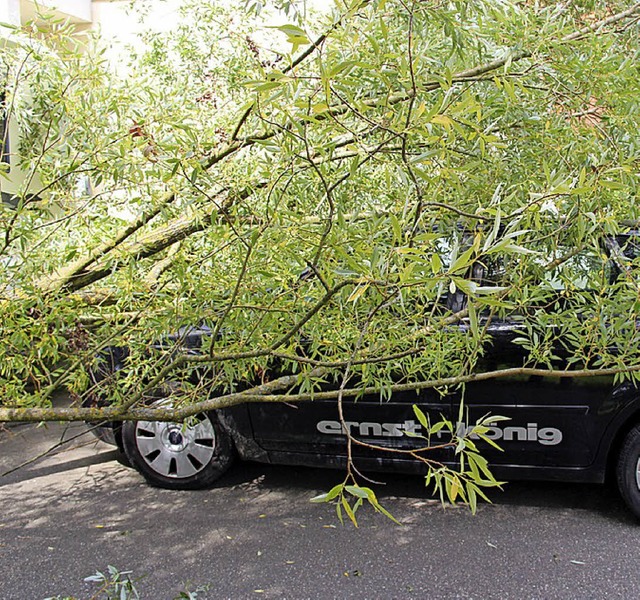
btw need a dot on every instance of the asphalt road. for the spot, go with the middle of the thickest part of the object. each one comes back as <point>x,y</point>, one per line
<point>66,516</point>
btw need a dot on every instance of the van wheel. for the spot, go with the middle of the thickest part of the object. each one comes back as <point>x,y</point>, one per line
<point>179,456</point>
<point>628,470</point>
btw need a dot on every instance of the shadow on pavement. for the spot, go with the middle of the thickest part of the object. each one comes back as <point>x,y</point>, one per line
<point>305,482</point>
<point>25,474</point>
<point>601,499</point>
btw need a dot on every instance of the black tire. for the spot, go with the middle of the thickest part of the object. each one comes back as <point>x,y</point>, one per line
<point>122,459</point>
<point>628,470</point>
<point>179,456</point>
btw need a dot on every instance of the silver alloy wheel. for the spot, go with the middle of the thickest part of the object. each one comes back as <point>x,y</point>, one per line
<point>176,450</point>
<point>638,473</point>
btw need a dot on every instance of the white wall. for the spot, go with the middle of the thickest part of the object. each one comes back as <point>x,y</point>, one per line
<point>10,11</point>
<point>78,11</point>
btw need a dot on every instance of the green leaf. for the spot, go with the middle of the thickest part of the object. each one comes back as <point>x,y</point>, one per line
<point>319,498</point>
<point>289,30</point>
<point>397,230</point>
<point>264,86</point>
<point>489,441</point>
<point>473,319</point>
<point>424,421</point>
<point>463,261</point>
<point>357,491</point>
<point>357,293</point>
<point>437,427</point>
<point>612,185</point>
<point>378,507</point>
<point>442,120</point>
<point>381,509</point>
<point>349,511</point>
<point>338,68</point>
<point>436,263</point>
<point>295,35</point>
<point>471,495</point>
<point>333,493</point>
<point>454,489</point>
<point>467,286</point>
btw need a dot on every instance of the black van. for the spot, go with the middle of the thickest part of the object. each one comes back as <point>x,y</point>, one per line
<point>561,427</point>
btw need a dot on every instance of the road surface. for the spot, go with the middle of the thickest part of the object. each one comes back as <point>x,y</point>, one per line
<point>65,516</point>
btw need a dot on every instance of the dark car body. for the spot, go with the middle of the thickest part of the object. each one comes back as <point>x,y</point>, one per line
<point>559,427</point>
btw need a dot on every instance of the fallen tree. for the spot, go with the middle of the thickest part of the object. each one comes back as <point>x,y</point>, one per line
<point>314,192</point>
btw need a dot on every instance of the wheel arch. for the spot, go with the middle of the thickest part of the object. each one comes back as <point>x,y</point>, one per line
<point>630,421</point>
<point>117,434</point>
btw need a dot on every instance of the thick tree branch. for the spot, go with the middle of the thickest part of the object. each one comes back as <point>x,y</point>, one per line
<point>261,394</point>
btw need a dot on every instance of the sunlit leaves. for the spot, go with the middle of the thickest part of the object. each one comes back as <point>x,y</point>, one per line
<point>462,482</point>
<point>348,498</point>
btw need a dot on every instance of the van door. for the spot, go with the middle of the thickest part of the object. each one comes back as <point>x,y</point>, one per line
<point>314,427</point>
<point>554,421</point>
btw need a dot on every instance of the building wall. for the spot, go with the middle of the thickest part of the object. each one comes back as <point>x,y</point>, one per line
<point>19,12</point>
<point>77,11</point>
<point>10,12</point>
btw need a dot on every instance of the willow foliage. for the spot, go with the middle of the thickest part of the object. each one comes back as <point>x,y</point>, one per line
<point>315,193</point>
